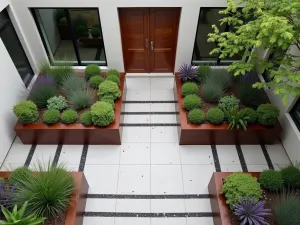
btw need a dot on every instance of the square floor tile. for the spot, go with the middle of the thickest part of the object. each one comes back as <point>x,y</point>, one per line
<point>196,154</point>
<point>131,221</point>
<point>197,205</point>
<point>72,167</point>
<point>228,155</point>
<point>162,95</point>
<point>168,221</point>
<point>163,119</point>
<point>231,168</point>
<point>135,154</point>
<point>137,83</point>
<point>98,220</point>
<point>102,179</point>
<point>133,205</point>
<point>163,107</point>
<point>200,221</point>
<point>103,154</point>
<point>137,119</point>
<point>43,153</point>
<point>164,134</point>
<point>166,179</point>
<point>18,152</point>
<point>167,206</point>
<point>278,154</point>
<point>100,205</point>
<point>165,153</point>
<point>257,168</point>
<point>162,83</point>
<point>138,95</point>
<point>70,154</point>
<point>253,154</point>
<point>137,107</point>
<point>134,179</point>
<point>196,178</point>
<point>136,134</point>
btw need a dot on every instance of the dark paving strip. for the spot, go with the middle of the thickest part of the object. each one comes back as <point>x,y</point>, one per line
<point>150,101</point>
<point>267,156</point>
<point>83,158</point>
<point>149,125</point>
<point>57,155</point>
<point>111,196</point>
<point>241,157</point>
<point>216,158</point>
<point>30,155</point>
<point>124,214</point>
<point>151,113</point>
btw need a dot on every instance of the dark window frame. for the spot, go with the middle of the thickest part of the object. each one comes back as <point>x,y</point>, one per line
<point>293,114</point>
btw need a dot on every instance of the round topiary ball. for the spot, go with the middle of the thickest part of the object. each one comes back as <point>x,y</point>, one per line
<point>92,70</point>
<point>192,102</point>
<point>86,119</point>
<point>69,116</point>
<point>196,116</point>
<point>95,32</point>
<point>51,116</point>
<point>113,72</point>
<point>267,114</point>
<point>102,114</point>
<point>109,88</point>
<point>189,88</point>
<point>215,116</point>
<point>26,112</point>
<point>95,81</point>
<point>291,176</point>
<point>271,180</point>
<point>109,100</point>
<point>252,114</point>
<point>114,78</point>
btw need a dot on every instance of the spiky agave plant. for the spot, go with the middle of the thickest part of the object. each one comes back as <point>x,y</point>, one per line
<point>251,212</point>
<point>187,72</point>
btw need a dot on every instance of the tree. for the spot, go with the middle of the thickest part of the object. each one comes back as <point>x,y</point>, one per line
<point>262,24</point>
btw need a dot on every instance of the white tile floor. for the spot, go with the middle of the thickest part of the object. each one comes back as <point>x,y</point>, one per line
<point>149,162</point>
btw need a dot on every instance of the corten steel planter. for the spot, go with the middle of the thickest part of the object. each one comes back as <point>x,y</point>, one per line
<point>220,210</point>
<point>75,134</point>
<point>76,208</point>
<point>209,134</point>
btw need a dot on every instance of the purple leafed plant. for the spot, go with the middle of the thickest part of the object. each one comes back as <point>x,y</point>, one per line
<point>6,192</point>
<point>43,80</point>
<point>187,72</point>
<point>251,212</point>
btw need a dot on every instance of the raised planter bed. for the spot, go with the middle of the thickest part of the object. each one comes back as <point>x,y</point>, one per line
<point>76,209</point>
<point>74,134</point>
<point>209,134</point>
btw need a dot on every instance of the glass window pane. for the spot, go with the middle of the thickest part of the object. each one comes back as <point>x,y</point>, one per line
<point>295,114</point>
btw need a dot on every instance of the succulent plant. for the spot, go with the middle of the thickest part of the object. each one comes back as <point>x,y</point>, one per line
<point>187,72</point>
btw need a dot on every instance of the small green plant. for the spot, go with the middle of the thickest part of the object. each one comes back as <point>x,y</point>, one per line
<point>252,114</point>
<point>192,102</point>
<point>102,114</point>
<point>82,31</point>
<point>51,116</point>
<point>211,92</point>
<point>61,72</point>
<point>267,114</point>
<point>86,119</point>
<point>92,70</point>
<point>240,185</point>
<point>20,176</point>
<point>215,116</point>
<point>251,97</point>
<point>95,81</point>
<point>236,118</point>
<point>202,73</point>
<point>113,72</point>
<point>95,32</point>
<point>69,116</point>
<point>109,88</point>
<point>109,100</point>
<point>59,103</point>
<point>291,176</point>
<point>114,78</point>
<point>196,116</point>
<point>81,99</point>
<point>271,180</point>
<point>26,112</point>
<point>228,102</point>
<point>221,78</point>
<point>44,67</point>
<point>189,88</point>
<point>73,83</point>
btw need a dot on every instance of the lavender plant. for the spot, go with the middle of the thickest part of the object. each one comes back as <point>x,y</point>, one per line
<point>6,192</point>
<point>251,212</point>
<point>187,72</point>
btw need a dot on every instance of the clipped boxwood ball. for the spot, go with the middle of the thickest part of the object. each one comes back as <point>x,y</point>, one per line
<point>196,116</point>
<point>95,81</point>
<point>69,116</point>
<point>51,116</point>
<point>252,114</point>
<point>113,72</point>
<point>267,114</point>
<point>109,88</point>
<point>191,102</point>
<point>114,78</point>
<point>215,115</point>
<point>109,100</point>
<point>102,114</point>
<point>189,88</point>
<point>86,119</point>
<point>26,112</point>
<point>271,180</point>
<point>92,70</point>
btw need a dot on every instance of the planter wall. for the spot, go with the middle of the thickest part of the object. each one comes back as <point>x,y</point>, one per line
<point>74,134</point>
<point>209,134</point>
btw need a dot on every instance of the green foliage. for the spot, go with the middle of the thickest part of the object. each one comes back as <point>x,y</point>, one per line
<point>92,70</point>
<point>86,118</point>
<point>211,92</point>
<point>251,97</point>
<point>220,78</point>
<point>240,185</point>
<point>251,114</point>
<point>17,216</point>
<point>95,81</point>
<point>189,88</point>
<point>196,116</point>
<point>51,116</point>
<point>26,112</point>
<point>109,100</point>
<point>291,176</point>
<point>44,67</point>
<point>95,32</point>
<point>59,103</point>
<point>82,31</point>
<point>215,116</point>
<point>109,88</point>
<point>202,73</point>
<point>61,72</point>
<point>114,78</point>
<point>113,72</point>
<point>271,180</point>
<point>236,118</point>
<point>69,116</point>
<point>20,176</point>
<point>102,114</point>
<point>81,99</point>
<point>267,114</point>
<point>192,102</point>
<point>73,83</point>
<point>228,102</point>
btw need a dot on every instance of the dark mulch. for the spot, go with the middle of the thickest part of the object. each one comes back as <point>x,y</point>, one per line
<point>56,220</point>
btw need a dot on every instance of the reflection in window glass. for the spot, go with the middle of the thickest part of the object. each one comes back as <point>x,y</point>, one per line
<point>295,114</point>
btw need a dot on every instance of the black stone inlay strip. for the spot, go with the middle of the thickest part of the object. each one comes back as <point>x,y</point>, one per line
<point>57,155</point>
<point>111,196</point>
<point>124,214</point>
<point>149,113</point>
<point>241,157</point>
<point>150,101</point>
<point>267,156</point>
<point>216,158</point>
<point>30,155</point>
<point>83,158</point>
<point>149,125</point>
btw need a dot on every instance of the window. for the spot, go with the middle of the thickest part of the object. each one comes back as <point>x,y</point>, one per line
<point>295,114</point>
<point>276,57</point>
<point>72,34</point>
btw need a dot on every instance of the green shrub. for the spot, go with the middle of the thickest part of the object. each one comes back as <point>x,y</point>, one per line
<point>215,116</point>
<point>86,119</point>
<point>20,176</point>
<point>109,100</point>
<point>267,114</point>
<point>59,73</point>
<point>82,31</point>
<point>196,116</point>
<point>291,176</point>
<point>228,102</point>
<point>26,112</point>
<point>271,180</point>
<point>251,97</point>
<point>113,72</point>
<point>59,103</point>
<point>81,99</point>
<point>252,114</point>
<point>211,92</point>
<point>114,78</point>
<point>95,81</point>
<point>51,116</point>
<point>192,102</point>
<point>240,185</point>
<point>95,32</point>
<point>69,116</point>
<point>73,83</point>
<point>220,78</point>
<point>202,73</point>
<point>92,70</point>
<point>102,114</point>
<point>236,118</point>
<point>189,88</point>
<point>44,67</point>
<point>109,88</point>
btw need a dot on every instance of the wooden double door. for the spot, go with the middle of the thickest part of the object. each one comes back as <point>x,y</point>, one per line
<point>149,38</point>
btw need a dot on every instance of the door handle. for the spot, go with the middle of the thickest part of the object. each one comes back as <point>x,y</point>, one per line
<point>146,43</point>
<point>152,45</point>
